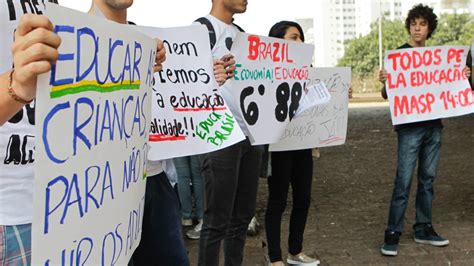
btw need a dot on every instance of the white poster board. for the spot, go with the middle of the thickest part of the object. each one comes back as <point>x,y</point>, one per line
<point>189,115</point>
<point>324,125</point>
<point>93,118</point>
<point>427,83</point>
<point>269,81</point>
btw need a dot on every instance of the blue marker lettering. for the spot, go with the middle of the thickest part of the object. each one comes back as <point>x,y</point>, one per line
<point>47,119</point>
<point>61,57</point>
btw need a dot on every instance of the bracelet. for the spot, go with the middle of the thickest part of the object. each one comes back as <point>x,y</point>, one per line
<point>12,92</point>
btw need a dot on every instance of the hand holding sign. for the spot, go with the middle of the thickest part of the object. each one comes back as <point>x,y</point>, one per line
<point>467,72</point>
<point>229,65</point>
<point>34,50</point>
<point>220,73</point>
<point>160,55</point>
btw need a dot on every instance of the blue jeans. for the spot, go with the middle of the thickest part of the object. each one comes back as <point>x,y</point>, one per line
<point>231,184</point>
<point>189,172</point>
<point>424,144</point>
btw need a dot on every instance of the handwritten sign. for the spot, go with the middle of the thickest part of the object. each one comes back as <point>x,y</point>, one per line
<point>189,115</point>
<point>324,125</point>
<point>427,83</point>
<point>93,117</point>
<point>269,81</point>
<point>314,95</point>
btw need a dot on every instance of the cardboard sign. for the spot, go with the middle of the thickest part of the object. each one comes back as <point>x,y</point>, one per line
<point>93,119</point>
<point>428,83</point>
<point>269,81</point>
<point>324,125</point>
<point>189,115</point>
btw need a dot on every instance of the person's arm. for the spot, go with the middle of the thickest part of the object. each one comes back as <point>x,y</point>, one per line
<point>382,79</point>
<point>34,50</point>
<point>8,106</point>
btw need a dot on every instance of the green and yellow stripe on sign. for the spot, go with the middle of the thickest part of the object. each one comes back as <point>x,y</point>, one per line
<point>89,85</point>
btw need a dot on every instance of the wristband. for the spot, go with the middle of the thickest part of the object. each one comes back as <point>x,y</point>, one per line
<point>12,92</point>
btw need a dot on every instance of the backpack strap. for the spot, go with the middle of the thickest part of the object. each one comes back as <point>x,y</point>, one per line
<point>238,27</point>
<point>210,28</point>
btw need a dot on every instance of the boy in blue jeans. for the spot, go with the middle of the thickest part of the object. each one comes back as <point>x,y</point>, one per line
<point>416,141</point>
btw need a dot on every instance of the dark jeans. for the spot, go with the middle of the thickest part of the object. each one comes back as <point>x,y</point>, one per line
<point>230,182</point>
<point>162,242</point>
<point>295,168</point>
<point>422,144</point>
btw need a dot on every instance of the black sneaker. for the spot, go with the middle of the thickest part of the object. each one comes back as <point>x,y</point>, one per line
<point>390,246</point>
<point>425,234</point>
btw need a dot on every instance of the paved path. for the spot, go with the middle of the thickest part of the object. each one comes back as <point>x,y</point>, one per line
<point>351,192</point>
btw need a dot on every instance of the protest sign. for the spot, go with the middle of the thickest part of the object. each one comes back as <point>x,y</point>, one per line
<point>427,83</point>
<point>323,125</point>
<point>189,115</point>
<point>269,80</point>
<point>93,118</point>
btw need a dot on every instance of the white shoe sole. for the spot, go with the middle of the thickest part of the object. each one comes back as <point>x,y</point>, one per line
<point>294,262</point>
<point>388,252</point>
<point>433,243</point>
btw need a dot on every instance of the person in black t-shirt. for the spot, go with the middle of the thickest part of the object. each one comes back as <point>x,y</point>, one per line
<point>416,141</point>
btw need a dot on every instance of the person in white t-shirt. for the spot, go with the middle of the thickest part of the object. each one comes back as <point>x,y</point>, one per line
<point>30,49</point>
<point>231,174</point>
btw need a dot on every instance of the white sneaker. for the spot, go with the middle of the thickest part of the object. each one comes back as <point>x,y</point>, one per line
<point>253,228</point>
<point>302,259</point>
<point>195,233</point>
<point>316,153</point>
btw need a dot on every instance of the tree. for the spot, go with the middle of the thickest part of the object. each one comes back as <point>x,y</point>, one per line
<point>454,29</point>
<point>362,53</point>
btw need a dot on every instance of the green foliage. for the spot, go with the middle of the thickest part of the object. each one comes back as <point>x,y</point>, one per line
<point>362,53</point>
<point>454,29</point>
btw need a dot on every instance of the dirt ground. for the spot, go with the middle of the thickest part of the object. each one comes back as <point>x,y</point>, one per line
<point>351,191</point>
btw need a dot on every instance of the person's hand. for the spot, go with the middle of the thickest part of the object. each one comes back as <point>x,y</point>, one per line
<point>467,72</point>
<point>220,73</point>
<point>229,65</point>
<point>34,50</point>
<point>350,92</point>
<point>160,56</point>
<point>382,75</point>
